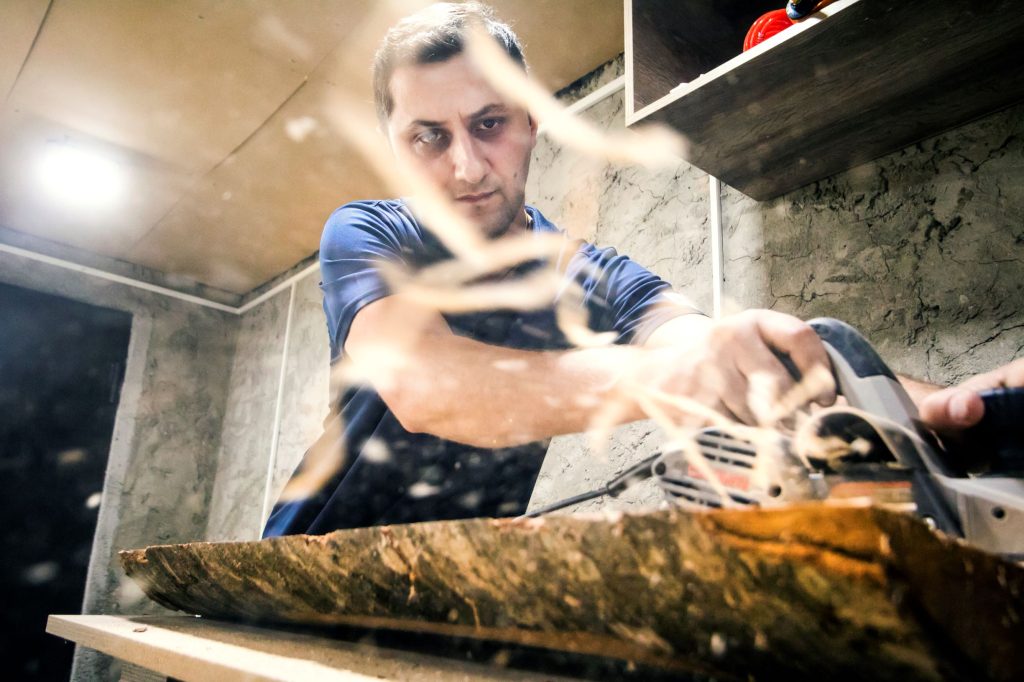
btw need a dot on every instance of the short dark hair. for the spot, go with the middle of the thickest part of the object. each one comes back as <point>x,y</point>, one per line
<point>434,34</point>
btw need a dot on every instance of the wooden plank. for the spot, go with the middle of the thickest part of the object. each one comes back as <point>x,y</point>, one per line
<point>805,592</point>
<point>188,648</point>
<point>825,96</point>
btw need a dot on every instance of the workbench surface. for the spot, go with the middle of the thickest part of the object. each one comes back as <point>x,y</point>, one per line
<point>189,648</point>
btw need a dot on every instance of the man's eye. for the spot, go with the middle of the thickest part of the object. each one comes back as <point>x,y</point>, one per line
<point>429,139</point>
<point>490,125</point>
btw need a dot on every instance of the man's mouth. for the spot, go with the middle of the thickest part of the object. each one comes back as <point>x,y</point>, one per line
<point>475,198</point>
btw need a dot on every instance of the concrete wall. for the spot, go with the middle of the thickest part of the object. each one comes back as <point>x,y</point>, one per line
<point>922,249</point>
<point>162,461</point>
<point>272,413</point>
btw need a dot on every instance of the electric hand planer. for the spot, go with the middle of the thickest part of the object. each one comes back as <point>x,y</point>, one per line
<point>877,448</point>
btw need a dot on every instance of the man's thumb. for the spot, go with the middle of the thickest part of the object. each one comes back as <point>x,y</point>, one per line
<point>952,409</point>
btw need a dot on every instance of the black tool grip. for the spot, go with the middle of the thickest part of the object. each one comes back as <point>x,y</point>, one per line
<point>857,351</point>
<point>1000,433</point>
<point>850,344</point>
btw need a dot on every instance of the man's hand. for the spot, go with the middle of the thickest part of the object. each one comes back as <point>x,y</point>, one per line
<point>959,407</point>
<point>729,364</point>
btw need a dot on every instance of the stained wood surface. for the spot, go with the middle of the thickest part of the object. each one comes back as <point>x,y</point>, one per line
<point>804,592</point>
<point>192,649</point>
<point>824,96</point>
<point>674,42</point>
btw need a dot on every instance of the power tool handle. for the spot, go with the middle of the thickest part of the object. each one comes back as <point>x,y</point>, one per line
<point>861,375</point>
<point>843,339</point>
<point>856,366</point>
<point>852,346</point>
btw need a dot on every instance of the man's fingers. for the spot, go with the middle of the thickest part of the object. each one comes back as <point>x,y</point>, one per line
<point>722,387</point>
<point>767,380</point>
<point>952,409</point>
<point>801,343</point>
<point>960,407</point>
<point>733,393</point>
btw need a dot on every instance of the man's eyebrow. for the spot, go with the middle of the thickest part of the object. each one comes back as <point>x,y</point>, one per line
<point>493,108</point>
<point>422,123</point>
<point>489,109</point>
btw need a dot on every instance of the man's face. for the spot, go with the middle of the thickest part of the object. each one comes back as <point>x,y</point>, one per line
<point>454,128</point>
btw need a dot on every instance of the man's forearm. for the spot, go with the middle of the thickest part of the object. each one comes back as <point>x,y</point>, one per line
<point>528,395</point>
<point>491,396</point>
<point>468,391</point>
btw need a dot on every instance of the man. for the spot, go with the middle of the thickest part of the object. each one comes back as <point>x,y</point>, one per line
<point>461,429</point>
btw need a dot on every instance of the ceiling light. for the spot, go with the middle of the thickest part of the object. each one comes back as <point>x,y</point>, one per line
<point>80,178</point>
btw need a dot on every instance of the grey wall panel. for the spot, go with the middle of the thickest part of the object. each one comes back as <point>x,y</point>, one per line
<point>245,446</point>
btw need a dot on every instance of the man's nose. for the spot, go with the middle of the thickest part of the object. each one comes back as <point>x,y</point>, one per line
<point>469,164</point>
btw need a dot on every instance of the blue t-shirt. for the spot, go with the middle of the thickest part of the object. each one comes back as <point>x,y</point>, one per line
<point>390,475</point>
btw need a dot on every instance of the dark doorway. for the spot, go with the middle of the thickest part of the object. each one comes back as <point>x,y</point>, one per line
<point>61,367</point>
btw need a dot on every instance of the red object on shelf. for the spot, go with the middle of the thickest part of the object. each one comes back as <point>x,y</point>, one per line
<point>765,27</point>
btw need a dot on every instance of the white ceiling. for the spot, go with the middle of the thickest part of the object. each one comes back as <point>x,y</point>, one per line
<point>217,110</point>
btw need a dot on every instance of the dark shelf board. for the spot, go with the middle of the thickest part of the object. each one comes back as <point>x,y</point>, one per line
<point>859,80</point>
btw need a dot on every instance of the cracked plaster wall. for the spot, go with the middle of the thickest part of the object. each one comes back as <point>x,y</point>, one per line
<point>923,250</point>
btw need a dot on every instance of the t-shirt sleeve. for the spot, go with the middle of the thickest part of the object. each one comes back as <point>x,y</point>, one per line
<point>356,239</point>
<point>627,298</point>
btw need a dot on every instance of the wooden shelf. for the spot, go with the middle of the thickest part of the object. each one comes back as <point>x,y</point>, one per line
<point>189,648</point>
<point>856,81</point>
